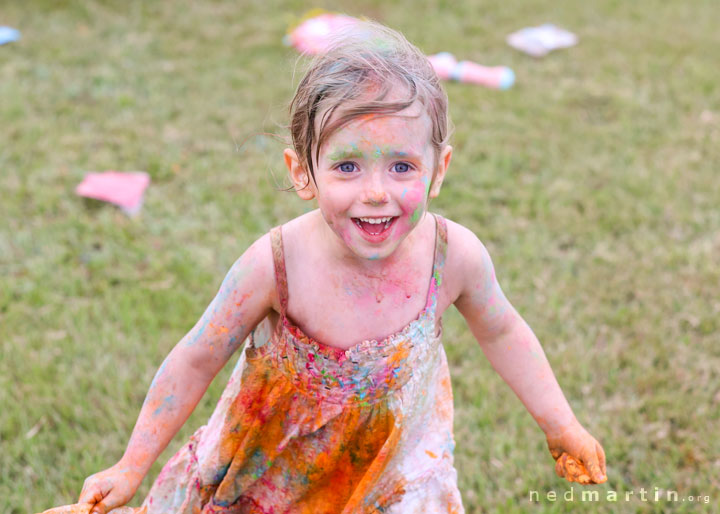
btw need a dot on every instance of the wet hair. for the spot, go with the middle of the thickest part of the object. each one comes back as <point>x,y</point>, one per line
<point>353,79</point>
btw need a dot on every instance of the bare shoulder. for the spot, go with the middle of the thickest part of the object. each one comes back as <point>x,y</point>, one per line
<point>300,226</point>
<point>256,269</point>
<point>295,240</point>
<point>467,258</point>
<point>300,235</point>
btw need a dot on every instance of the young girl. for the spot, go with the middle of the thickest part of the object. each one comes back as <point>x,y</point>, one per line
<point>341,401</point>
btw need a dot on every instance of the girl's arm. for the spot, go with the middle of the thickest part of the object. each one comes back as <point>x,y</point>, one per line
<point>245,297</point>
<point>515,353</point>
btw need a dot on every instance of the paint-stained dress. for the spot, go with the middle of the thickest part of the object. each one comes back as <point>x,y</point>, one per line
<point>303,427</point>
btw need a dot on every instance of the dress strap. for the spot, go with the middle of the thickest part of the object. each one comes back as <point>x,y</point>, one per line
<point>438,261</point>
<point>280,273</point>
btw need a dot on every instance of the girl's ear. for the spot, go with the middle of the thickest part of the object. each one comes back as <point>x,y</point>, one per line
<point>443,163</point>
<point>299,175</point>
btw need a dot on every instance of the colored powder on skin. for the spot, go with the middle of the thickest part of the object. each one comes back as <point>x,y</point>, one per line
<point>84,508</point>
<point>573,470</point>
<point>219,329</point>
<point>200,332</point>
<point>242,299</point>
<point>416,214</point>
<point>355,439</point>
<point>157,376</point>
<point>337,155</point>
<point>234,339</point>
<point>167,403</point>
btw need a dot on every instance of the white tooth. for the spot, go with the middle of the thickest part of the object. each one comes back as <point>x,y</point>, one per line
<point>375,221</point>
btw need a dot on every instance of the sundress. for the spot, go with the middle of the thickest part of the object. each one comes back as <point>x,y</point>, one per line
<point>303,427</point>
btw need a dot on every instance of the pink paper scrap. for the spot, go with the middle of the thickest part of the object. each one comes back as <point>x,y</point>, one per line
<point>122,188</point>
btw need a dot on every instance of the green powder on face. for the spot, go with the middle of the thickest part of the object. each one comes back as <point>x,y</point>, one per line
<point>416,214</point>
<point>419,209</point>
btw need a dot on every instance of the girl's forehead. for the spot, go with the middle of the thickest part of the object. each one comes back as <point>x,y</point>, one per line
<point>411,128</point>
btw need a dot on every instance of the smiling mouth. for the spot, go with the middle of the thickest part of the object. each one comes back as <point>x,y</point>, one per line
<point>375,226</point>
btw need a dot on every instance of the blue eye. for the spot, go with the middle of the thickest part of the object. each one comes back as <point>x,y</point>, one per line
<point>347,167</point>
<point>401,167</point>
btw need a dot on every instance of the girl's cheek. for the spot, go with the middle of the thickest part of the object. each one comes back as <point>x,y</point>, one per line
<point>412,204</point>
<point>413,200</point>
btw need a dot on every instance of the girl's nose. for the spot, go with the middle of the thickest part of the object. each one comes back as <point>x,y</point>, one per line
<point>375,193</point>
<point>377,197</point>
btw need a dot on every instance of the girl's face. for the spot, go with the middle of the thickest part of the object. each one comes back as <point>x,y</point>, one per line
<point>373,179</point>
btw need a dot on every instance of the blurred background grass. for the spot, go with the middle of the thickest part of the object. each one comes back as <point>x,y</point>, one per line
<point>593,182</point>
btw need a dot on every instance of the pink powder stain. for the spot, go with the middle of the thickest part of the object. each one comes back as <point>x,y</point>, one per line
<point>370,289</point>
<point>414,196</point>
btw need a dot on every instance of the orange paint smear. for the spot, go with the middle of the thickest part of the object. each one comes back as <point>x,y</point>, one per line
<point>219,329</point>
<point>572,470</point>
<point>242,299</point>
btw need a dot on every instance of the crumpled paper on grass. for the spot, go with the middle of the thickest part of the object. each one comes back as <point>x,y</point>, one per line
<point>124,189</point>
<point>8,34</point>
<point>314,33</point>
<point>539,41</point>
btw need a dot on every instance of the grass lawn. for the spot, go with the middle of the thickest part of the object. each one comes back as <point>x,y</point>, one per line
<point>593,182</point>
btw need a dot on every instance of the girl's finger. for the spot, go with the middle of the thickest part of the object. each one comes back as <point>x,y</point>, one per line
<point>83,492</point>
<point>560,465</point>
<point>587,467</point>
<point>576,471</point>
<point>99,508</point>
<point>95,494</point>
<point>555,453</point>
<point>90,494</point>
<point>601,458</point>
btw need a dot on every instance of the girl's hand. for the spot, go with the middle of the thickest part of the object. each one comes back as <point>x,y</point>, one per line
<point>578,456</point>
<point>111,488</point>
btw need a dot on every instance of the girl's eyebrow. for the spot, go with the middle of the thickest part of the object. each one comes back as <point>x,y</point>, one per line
<point>350,153</point>
<point>355,153</point>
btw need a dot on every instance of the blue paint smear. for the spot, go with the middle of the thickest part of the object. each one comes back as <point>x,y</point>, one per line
<point>168,403</point>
